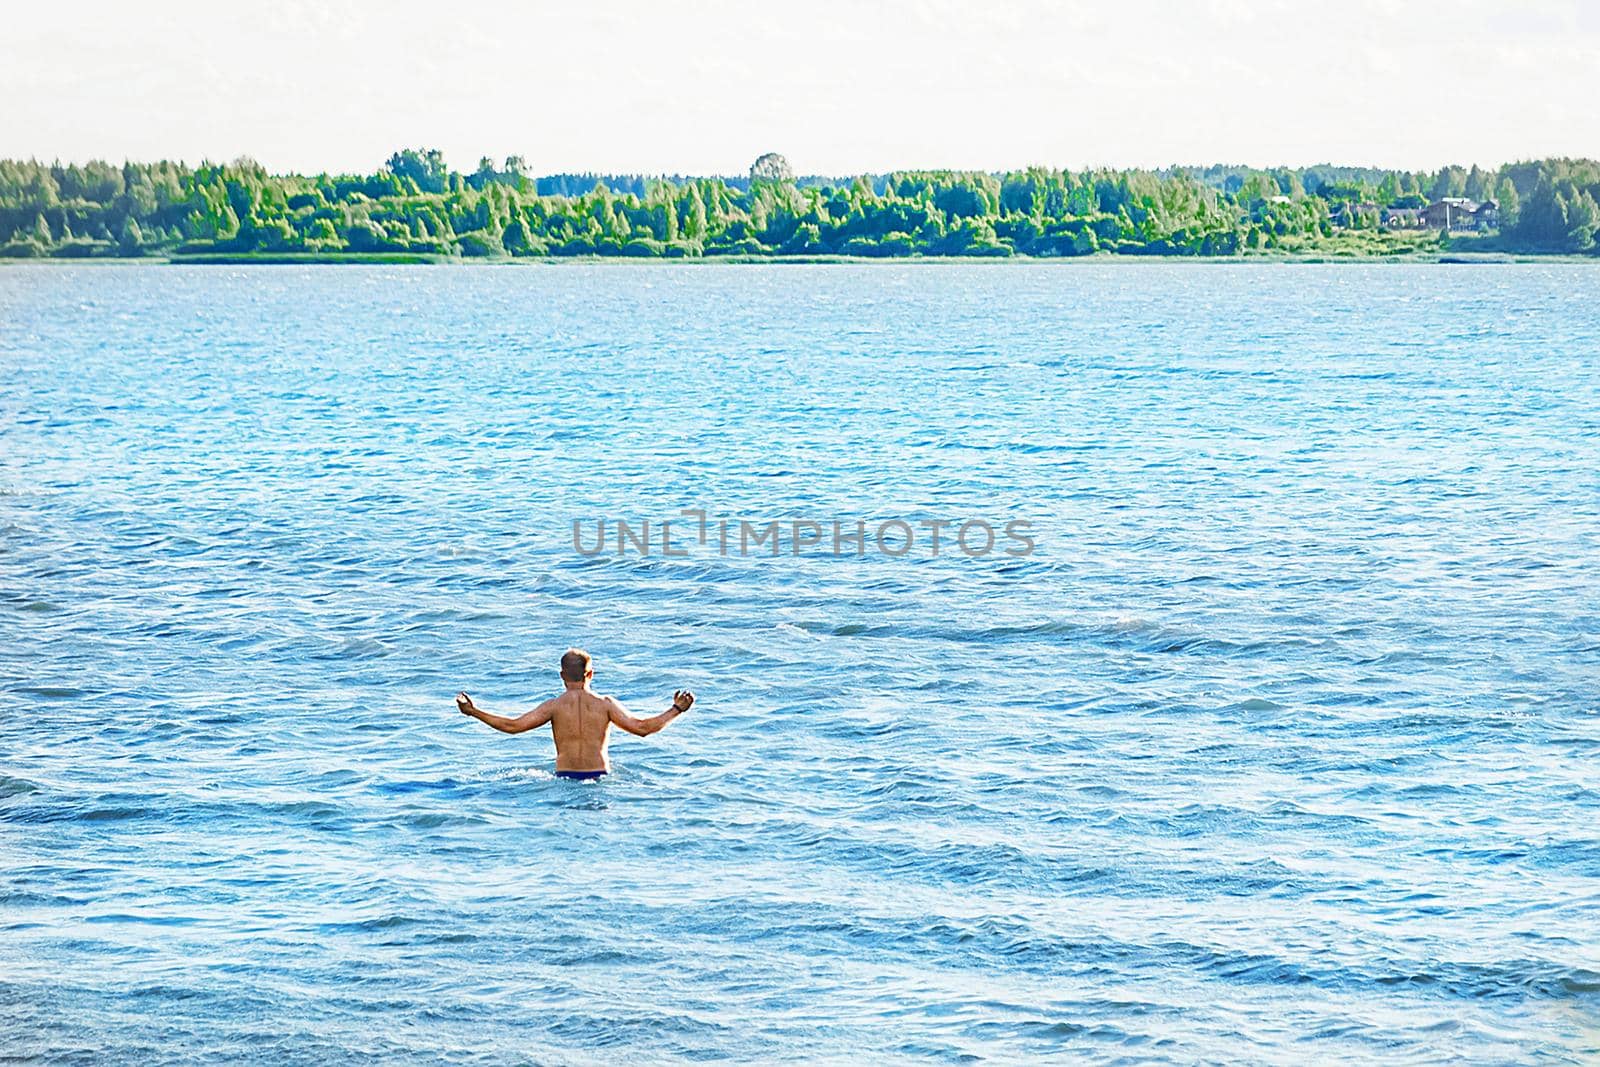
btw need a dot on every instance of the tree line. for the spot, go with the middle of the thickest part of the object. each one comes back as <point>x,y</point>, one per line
<point>418,204</point>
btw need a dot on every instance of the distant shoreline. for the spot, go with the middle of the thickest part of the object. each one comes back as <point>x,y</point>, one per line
<point>404,259</point>
<point>416,209</point>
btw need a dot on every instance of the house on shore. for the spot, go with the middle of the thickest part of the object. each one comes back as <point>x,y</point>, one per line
<point>1402,218</point>
<point>1457,213</point>
<point>1348,214</point>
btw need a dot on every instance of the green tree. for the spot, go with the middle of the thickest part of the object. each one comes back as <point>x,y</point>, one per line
<point>1510,203</point>
<point>518,239</point>
<point>425,168</point>
<point>321,234</point>
<point>1583,215</point>
<point>771,167</point>
<point>1478,183</point>
<point>694,226</point>
<point>131,241</point>
<point>1450,181</point>
<point>481,243</point>
<point>960,202</point>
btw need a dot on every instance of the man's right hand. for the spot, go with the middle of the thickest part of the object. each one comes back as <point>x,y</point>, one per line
<point>467,707</point>
<point>683,700</point>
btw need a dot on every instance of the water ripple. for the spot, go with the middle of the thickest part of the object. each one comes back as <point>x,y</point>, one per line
<point>1280,748</point>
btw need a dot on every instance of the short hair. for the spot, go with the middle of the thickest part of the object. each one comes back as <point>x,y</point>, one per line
<point>574,665</point>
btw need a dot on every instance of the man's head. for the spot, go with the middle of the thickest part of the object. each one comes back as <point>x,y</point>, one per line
<point>575,667</point>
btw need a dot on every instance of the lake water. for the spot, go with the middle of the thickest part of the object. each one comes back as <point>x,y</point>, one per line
<point>1281,745</point>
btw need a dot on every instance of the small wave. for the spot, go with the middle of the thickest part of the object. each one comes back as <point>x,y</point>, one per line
<point>50,692</point>
<point>12,787</point>
<point>432,820</point>
<point>142,919</point>
<point>36,607</point>
<point>1255,704</point>
<point>113,814</point>
<point>378,924</point>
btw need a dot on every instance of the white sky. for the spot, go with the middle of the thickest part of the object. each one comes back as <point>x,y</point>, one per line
<point>659,86</point>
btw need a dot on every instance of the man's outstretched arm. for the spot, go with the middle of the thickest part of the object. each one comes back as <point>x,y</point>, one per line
<point>531,720</point>
<point>682,700</point>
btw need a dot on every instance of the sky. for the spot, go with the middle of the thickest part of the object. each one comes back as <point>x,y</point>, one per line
<point>839,88</point>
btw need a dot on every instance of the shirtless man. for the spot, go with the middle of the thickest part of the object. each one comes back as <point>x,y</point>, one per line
<point>579,719</point>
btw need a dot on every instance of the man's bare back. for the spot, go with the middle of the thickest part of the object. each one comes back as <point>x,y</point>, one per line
<point>580,719</point>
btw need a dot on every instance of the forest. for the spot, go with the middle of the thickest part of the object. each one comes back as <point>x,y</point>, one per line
<point>417,206</point>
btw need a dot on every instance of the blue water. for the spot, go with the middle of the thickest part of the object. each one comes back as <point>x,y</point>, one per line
<point>1281,746</point>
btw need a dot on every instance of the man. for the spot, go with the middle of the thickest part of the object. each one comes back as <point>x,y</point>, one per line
<point>579,719</point>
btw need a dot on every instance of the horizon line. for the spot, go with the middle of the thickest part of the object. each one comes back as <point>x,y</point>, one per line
<point>206,161</point>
